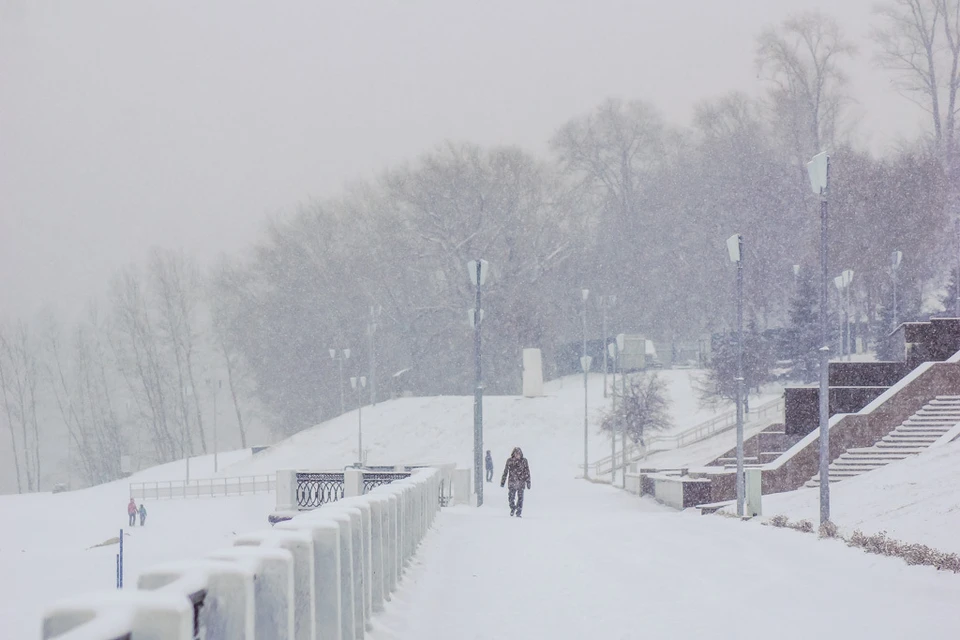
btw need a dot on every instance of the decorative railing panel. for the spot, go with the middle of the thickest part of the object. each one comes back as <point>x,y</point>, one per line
<point>203,488</point>
<point>315,489</point>
<point>377,478</point>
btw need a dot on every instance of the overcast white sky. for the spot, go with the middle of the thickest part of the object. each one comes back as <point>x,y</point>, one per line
<point>125,124</point>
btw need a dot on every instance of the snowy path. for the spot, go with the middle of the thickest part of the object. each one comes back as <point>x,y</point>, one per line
<point>588,561</point>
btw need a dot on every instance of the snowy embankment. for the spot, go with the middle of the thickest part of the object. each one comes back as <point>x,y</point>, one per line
<point>46,539</point>
<point>916,500</point>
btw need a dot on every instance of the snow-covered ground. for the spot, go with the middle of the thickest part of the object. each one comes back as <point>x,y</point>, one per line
<point>916,500</point>
<point>589,561</point>
<point>586,560</point>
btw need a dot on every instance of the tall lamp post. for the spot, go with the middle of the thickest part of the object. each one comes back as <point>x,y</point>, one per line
<point>216,449</point>
<point>371,332</point>
<point>585,361</point>
<point>618,366</point>
<point>358,384</point>
<point>604,301</point>
<point>343,354</point>
<point>477,270</point>
<point>613,350</point>
<point>735,249</point>
<point>818,170</point>
<point>842,282</point>
<point>895,259</point>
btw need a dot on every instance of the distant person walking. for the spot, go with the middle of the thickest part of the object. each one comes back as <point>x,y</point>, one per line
<point>518,471</point>
<point>132,512</point>
<point>143,514</point>
<point>489,465</point>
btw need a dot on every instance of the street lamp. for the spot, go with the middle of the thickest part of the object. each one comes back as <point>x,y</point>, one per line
<point>618,366</point>
<point>477,271</point>
<point>604,301</point>
<point>895,259</point>
<point>344,354</point>
<point>735,249</point>
<point>216,449</point>
<point>371,331</point>
<point>613,350</point>
<point>359,384</point>
<point>585,365</point>
<point>842,283</point>
<point>818,170</point>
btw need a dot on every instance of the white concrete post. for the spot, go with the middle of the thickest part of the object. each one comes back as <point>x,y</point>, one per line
<point>391,540</point>
<point>357,560</point>
<point>300,546</point>
<point>352,482</point>
<point>754,492</point>
<point>110,614</point>
<point>363,503</point>
<point>286,490</point>
<point>344,522</point>
<point>378,505</point>
<point>461,486</point>
<point>228,611</point>
<point>273,587</point>
<point>326,557</point>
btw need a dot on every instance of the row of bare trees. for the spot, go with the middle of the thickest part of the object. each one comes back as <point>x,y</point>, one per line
<point>625,204</point>
<point>134,380</point>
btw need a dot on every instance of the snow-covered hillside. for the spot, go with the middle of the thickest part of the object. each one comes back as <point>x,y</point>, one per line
<point>46,539</point>
<point>916,500</point>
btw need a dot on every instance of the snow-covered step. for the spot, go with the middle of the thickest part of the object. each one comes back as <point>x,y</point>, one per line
<point>914,435</point>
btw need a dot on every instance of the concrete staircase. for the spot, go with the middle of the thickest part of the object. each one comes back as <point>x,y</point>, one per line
<point>914,435</point>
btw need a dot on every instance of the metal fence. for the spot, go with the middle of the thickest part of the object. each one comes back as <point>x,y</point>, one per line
<point>315,489</point>
<point>373,480</point>
<point>203,488</point>
<point>718,424</point>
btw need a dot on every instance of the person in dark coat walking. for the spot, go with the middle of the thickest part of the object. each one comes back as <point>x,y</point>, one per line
<point>489,465</point>
<point>518,471</point>
<point>143,514</point>
<point>132,512</point>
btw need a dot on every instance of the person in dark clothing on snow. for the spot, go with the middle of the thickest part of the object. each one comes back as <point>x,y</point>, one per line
<point>489,465</point>
<point>143,515</point>
<point>132,512</point>
<point>518,471</point>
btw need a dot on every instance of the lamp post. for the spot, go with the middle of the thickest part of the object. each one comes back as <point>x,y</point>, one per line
<point>371,332</point>
<point>842,283</point>
<point>614,353</point>
<point>477,270</point>
<point>818,170</point>
<point>604,301</point>
<point>735,249</point>
<point>343,354</point>
<point>618,344</point>
<point>585,365</point>
<point>895,259</point>
<point>359,384</point>
<point>216,449</point>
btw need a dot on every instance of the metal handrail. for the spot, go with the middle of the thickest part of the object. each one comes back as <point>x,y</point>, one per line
<point>702,431</point>
<point>203,487</point>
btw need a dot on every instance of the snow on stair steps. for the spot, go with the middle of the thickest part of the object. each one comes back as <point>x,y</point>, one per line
<point>914,435</point>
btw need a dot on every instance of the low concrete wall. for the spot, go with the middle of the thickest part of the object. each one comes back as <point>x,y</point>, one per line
<point>320,574</point>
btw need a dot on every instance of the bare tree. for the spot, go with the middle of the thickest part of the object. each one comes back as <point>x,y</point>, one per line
<point>920,42</point>
<point>802,60</point>
<point>138,353</point>
<point>644,408</point>
<point>20,366</point>
<point>176,287</point>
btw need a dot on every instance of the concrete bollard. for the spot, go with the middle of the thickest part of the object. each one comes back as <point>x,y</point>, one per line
<point>366,523</point>
<point>273,598</point>
<point>378,505</point>
<point>300,546</point>
<point>357,558</point>
<point>326,572</point>
<point>115,614</point>
<point>343,520</point>
<point>391,551</point>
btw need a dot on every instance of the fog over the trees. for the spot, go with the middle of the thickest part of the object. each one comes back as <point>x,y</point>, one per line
<point>198,200</point>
